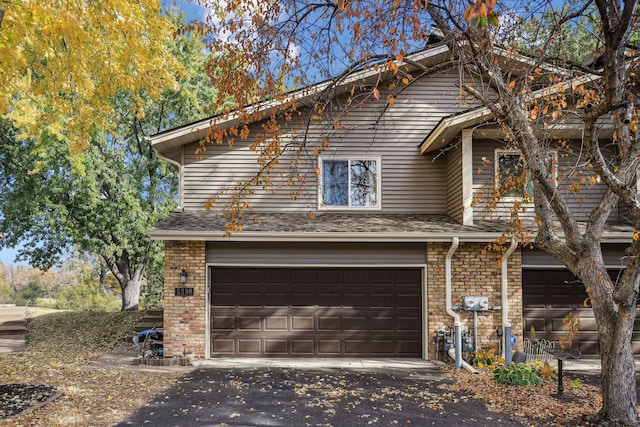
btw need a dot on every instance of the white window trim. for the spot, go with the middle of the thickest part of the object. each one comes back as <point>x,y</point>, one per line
<point>511,151</point>
<point>377,207</point>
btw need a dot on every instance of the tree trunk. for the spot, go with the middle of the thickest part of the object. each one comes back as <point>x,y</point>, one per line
<point>618,373</point>
<point>131,289</point>
<point>131,294</point>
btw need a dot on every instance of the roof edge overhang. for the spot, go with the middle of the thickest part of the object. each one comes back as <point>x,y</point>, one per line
<point>449,127</point>
<point>249,236</point>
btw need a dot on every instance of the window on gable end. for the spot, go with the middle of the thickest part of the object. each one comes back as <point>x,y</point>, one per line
<point>513,179</point>
<point>349,183</point>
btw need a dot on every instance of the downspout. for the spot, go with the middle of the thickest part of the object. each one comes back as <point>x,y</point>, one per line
<point>504,294</point>
<point>457,324</point>
<point>178,166</point>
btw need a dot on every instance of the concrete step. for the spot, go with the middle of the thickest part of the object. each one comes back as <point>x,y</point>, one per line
<point>12,322</point>
<point>151,319</point>
<point>6,331</point>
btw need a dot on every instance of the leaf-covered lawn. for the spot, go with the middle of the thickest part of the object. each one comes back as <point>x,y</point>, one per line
<point>534,403</point>
<point>59,345</point>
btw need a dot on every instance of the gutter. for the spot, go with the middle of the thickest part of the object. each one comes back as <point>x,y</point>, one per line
<point>178,166</point>
<point>457,324</point>
<point>504,296</point>
<point>257,236</point>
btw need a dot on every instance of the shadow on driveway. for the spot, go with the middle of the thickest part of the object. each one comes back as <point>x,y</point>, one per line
<point>314,397</point>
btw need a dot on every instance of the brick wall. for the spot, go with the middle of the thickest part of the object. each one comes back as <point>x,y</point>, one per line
<point>473,273</point>
<point>184,317</point>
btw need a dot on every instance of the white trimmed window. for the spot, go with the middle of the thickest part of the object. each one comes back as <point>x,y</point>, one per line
<point>349,183</point>
<point>511,176</point>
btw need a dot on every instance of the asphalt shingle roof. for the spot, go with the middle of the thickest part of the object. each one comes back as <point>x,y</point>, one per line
<point>194,221</point>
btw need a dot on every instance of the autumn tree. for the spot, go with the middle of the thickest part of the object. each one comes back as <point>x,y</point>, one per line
<point>271,47</point>
<point>49,207</point>
<point>62,62</point>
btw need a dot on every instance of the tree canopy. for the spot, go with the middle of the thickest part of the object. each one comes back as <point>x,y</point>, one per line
<point>49,207</point>
<point>62,62</point>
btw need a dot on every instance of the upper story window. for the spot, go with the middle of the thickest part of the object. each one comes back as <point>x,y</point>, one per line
<point>512,178</point>
<point>349,183</point>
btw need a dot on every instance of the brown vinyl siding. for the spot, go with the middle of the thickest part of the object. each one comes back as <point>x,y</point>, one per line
<point>411,183</point>
<point>581,203</point>
<point>301,254</point>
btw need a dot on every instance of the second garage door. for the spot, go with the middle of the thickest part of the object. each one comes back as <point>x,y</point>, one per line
<point>316,312</point>
<point>549,296</point>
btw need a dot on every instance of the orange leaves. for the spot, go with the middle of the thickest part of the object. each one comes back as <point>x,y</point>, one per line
<point>480,14</point>
<point>534,112</point>
<point>376,93</point>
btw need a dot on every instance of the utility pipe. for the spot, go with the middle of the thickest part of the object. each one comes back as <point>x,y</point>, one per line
<point>504,295</point>
<point>465,365</point>
<point>457,324</point>
<point>178,166</point>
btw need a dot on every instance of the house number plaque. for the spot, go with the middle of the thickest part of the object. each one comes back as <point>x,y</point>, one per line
<point>184,292</point>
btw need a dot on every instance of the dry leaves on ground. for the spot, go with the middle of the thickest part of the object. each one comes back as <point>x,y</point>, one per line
<point>59,346</point>
<point>532,403</point>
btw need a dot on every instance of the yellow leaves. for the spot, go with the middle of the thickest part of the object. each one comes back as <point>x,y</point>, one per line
<point>63,61</point>
<point>636,235</point>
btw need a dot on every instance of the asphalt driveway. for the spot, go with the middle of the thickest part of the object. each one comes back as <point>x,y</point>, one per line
<point>314,397</point>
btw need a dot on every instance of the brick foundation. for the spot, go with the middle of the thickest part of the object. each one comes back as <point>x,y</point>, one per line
<point>184,316</point>
<point>473,273</point>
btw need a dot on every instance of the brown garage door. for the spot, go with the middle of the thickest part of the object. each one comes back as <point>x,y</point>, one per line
<point>549,296</point>
<point>316,312</point>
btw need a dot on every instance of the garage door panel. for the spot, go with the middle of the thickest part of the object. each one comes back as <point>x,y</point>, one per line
<point>356,277</point>
<point>302,323</point>
<point>303,299</point>
<point>276,346</point>
<point>356,324</point>
<point>330,299</point>
<point>302,347</point>
<point>227,299</point>
<point>327,312</point>
<point>408,277</point>
<point>408,347</point>
<point>329,348</point>
<point>382,324</point>
<point>250,323</point>
<point>223,323</point>
<point>549,296</point>
<point>329,323</point>
<point>383,300</point>
<point>408,324</point>
<point>408,301</point>
<point>383,347</point>
<point>538,323</point>
<point>276,323</point>
<point>224,346</point>
<point>249,346</point>
<point>276,299</point>
<point>356,300</point>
